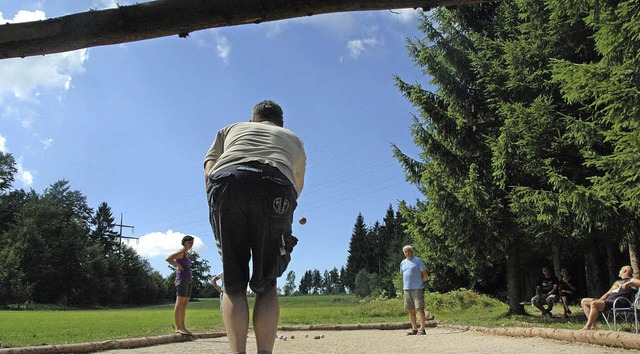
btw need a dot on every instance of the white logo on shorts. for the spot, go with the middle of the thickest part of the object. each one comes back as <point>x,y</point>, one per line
<point>280,205</point>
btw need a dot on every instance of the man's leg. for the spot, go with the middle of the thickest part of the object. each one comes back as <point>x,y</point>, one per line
<point>536,302</point>
<point>235,312</point>
<point>550,300</point>
<point>266,313</point>
<point>586,305</point>
<point>422,318</point>
<point>412,316</point>
<point>597,306</point>
<point>565,307</point>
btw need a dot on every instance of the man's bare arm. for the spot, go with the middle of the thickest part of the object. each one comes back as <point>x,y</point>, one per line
<point>207,167</point>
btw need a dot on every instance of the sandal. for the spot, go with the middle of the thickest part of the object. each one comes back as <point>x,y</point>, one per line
<point>413,332</point>
<point>422,332</point>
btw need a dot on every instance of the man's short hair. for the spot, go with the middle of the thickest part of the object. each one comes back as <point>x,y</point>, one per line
<point>269,111</point>
<point>407,247</point>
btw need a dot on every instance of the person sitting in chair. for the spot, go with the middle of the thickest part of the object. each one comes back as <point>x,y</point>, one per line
<point>620,288</point>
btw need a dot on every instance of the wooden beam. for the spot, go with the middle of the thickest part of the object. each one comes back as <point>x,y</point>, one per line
<point>163,18</point>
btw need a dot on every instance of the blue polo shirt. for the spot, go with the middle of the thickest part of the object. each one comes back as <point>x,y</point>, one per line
<point>411,270</point>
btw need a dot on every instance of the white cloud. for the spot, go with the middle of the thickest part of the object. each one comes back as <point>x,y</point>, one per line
<point>220,42</point>
<point>108,4</point>
<point>275,28</point>
<point>46,142</point>
<point>358,46</point>
<point>23,77</point>
<point>3,144</point>
<point>112,4</point>
<point>162,244</point>
<point>341,24</point>
<point>24,16</point>
<point>223,48</point>
<point>404,16</point>
<point>24,176</point>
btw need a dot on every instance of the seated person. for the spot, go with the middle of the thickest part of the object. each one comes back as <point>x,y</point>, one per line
<point>568,291</point>
<point>546,290</point>
<point>592,307</point>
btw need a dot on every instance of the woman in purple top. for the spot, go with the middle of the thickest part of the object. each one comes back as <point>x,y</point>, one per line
<point>180,260</point>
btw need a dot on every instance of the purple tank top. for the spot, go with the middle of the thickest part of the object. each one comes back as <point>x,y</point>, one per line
<point>185,273</point>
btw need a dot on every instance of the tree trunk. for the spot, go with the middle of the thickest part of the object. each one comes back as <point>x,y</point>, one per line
<point>633,251</point>
<point>163,18</point>
<point>514,296</point>
<point>592,274</point>
<point>610,261</point>
<point>557,265</point>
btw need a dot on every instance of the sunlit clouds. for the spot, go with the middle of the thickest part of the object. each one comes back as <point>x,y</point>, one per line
<point>162,244</point>
<point>214,39</point>
<point>23,78</point>
<point>405,16</point>
<point>23,176</point>
<point>357,46</point>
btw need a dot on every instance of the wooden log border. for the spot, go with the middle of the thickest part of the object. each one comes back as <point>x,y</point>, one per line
<point>603,337</point>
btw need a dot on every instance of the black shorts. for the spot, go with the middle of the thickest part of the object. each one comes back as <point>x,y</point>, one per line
<point>623,302</point>
<point>251,211</point>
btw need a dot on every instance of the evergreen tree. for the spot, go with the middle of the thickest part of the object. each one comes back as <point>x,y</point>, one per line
<point>359,252</point>
<point>104,224</point>
<point>306,285</point>
<point>492,137</point>
<point>8,170</point>
<point>316,282</point>
<point>464,225</point>
<point>609,91</point>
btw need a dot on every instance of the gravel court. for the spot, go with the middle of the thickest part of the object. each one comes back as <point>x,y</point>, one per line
<point>437,340</point>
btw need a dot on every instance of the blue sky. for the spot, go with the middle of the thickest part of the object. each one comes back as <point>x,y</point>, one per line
<point>129,124</point>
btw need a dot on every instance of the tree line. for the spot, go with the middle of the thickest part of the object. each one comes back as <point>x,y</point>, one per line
<point>372,266</point>
<point>55,249</point>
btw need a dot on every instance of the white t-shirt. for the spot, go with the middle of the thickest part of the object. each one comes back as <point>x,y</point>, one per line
<point>263,142</point>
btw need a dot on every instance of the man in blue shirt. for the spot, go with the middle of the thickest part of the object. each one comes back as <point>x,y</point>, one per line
<point>414,274</point>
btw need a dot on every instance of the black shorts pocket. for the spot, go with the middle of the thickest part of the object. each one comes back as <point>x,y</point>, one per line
<point>215,186</point>
<point>285,247</point>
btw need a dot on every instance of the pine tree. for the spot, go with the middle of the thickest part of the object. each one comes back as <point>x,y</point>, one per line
<point>492,136</point>
<point>359,253</point>
<point>609,91</point>
<point>104,224</point>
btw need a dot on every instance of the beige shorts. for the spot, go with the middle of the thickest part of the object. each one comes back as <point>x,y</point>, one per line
<point>414,299</point>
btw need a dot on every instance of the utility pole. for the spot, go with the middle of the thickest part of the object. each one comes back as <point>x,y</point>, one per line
<point>126,226</point>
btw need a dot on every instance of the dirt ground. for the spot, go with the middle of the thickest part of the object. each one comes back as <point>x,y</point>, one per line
<point>437,340</point>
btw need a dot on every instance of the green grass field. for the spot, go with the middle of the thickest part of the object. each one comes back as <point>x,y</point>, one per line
<point>35,327</point>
